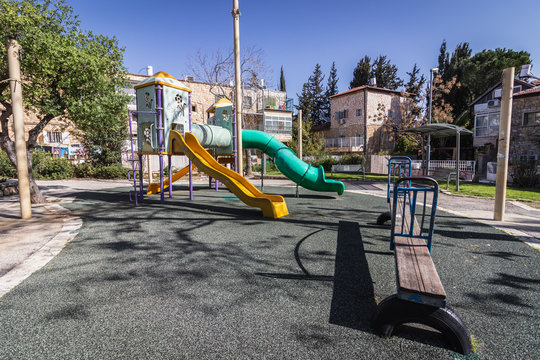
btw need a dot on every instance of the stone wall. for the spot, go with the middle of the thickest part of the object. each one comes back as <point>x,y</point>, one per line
<point>9,187</point>
<point>524,140</point>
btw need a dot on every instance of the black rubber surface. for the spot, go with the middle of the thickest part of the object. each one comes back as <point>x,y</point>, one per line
<point>213,279</point>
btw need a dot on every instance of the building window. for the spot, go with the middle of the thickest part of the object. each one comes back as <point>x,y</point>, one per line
<point>531,118</point>
<point>358,112</point>
<point>54,137</point>
<point>486,124</point>
<point>247,102</point>
<point>341,116</point>
<point>193,108</point>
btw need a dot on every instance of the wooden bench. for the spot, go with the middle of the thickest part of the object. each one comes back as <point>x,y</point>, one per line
<point>420,294</point>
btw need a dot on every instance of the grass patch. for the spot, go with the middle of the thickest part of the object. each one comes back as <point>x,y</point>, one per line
<point>488,190</point>
<point>356,176</point>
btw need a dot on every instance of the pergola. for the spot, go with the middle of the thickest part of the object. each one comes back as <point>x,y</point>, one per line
<point>442,130</point>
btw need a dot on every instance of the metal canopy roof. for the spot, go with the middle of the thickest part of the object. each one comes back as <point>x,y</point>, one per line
<point>439,130</point>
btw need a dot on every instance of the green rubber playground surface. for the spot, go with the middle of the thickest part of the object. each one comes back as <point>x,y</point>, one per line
<point>213,279</point>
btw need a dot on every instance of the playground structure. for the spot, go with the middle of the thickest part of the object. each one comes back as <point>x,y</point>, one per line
<point>420,294</point>
<point>164,128</point>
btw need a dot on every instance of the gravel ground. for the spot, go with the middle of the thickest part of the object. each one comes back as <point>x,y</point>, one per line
<point>212,279</point>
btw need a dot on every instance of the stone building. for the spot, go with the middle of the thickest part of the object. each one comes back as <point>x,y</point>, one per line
<point>357,119</point>
<point>525,125</point>
<point>57,137</point>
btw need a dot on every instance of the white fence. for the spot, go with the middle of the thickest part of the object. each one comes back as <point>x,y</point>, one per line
<point>464,165</point>
<point>344,142</point>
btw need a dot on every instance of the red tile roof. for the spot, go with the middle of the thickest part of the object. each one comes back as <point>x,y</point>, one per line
<point>535,82</point>
<point>367,87</point>
<point>531,91</point>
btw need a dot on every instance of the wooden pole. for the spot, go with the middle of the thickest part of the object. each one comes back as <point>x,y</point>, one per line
<point>503,143</point>
<point>300,134</point>
<point>15,86</point>
<point>238,86</point>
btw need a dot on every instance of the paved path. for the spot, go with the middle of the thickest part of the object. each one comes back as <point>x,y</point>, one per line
<point>521,220</point>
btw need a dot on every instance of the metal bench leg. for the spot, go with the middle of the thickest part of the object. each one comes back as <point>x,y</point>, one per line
<point>393,311</point>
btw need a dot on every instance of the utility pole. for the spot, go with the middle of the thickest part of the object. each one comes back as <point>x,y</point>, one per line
<point>504,142</point>
<point>15,86</point>
<point>300,134</point>
<point>238,86</point>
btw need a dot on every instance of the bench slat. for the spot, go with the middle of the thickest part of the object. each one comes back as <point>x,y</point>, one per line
<point>415,270</point>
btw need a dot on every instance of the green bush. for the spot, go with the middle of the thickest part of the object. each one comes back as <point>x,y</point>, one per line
<point>45,167</point>
<point>90,170</point>
<point>116,171</point>
<point>524,173</point>
<point>352,159</point>
<point>326,163</point>
<point>84,170</point>
<point>7,170</point>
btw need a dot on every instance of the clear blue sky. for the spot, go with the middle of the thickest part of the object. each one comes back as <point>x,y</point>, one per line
<point>297,34</point>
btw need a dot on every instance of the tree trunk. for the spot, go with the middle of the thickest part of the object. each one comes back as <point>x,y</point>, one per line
<point>36,197</point>
<point>249,165</point>
<point>35,194</point>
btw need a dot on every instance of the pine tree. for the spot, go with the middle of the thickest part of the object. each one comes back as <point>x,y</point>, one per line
<point>361,73</point>
<point>331,89</point>
<point>386,73</point>
<point>415,84</point>
<point>282,81</point>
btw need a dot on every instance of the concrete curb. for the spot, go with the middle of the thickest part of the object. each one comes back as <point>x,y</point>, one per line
<point>43,255</point>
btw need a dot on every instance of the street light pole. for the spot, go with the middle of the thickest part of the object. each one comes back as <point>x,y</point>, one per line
<point>428,157</point>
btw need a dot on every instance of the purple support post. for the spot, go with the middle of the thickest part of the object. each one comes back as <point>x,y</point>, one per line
<point>189,163</point>
<point>159,109</point>
<point>170,175</point>
<point>234,142</point>
<point>141,185</point>
<point>217,184</point>
<point>132,162</point>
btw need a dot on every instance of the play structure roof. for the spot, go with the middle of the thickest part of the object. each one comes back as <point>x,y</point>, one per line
<point>220,103</point>
<point>162,78</point>
<point>439,130</point>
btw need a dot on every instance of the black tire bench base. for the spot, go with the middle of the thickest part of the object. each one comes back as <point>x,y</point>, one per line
<point>393,311</point>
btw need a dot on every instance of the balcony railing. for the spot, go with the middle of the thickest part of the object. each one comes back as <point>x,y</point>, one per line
<point>350,143</point>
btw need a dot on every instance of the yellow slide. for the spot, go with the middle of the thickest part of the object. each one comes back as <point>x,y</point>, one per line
<point>272,206</point>
<point>154,188</point>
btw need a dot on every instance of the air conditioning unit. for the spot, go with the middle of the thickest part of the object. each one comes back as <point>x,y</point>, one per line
<point>190,78</point>
<point>342,121</point>
<point>497,93</point>
<point>494,103</point>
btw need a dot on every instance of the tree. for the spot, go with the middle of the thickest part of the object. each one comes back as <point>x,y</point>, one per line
<point>312,141</point>
<point>282,86</point>
<point>361,73</point>
<point>331,89</point>
<point>385,73</point>
<point>312,100</point>
<point>67,74</point>
<point>381,69</point>
<point>217,69</point>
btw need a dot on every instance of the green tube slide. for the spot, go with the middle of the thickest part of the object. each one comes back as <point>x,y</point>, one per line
<point>289,164</point>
